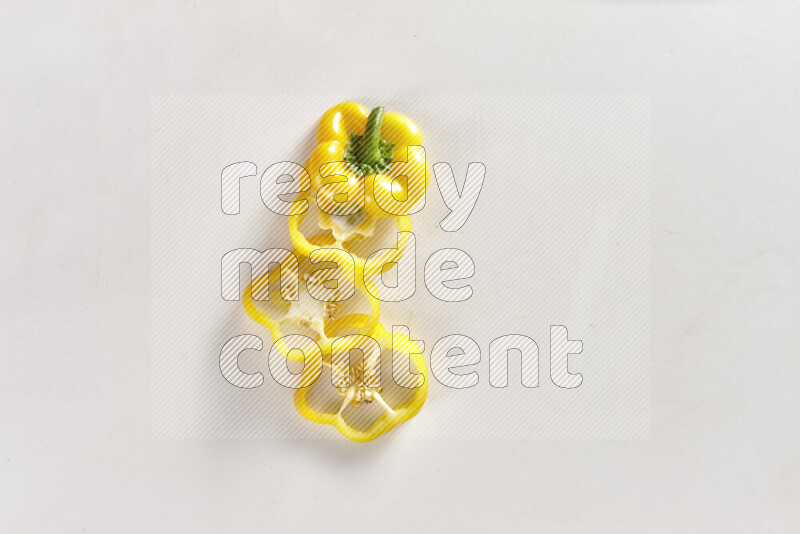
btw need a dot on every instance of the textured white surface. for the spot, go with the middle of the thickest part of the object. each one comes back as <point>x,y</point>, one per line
<point>75,447</point>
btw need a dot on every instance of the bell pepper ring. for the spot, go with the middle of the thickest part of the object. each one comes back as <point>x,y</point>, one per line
<point>313,316</point>
<point>305,248</point>
<point>359,391</point>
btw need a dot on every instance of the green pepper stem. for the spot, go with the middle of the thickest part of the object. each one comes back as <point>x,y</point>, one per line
<point>369,152</point>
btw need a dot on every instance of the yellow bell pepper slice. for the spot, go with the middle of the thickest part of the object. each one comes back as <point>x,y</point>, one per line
<point>303,247</point>
<point>359,393</point>
<point>314,319</point>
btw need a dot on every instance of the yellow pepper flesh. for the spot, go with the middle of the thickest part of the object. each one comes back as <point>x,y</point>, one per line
<point>392,415</point>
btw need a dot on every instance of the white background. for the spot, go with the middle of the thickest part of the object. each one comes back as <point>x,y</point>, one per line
<point>75,447</point>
